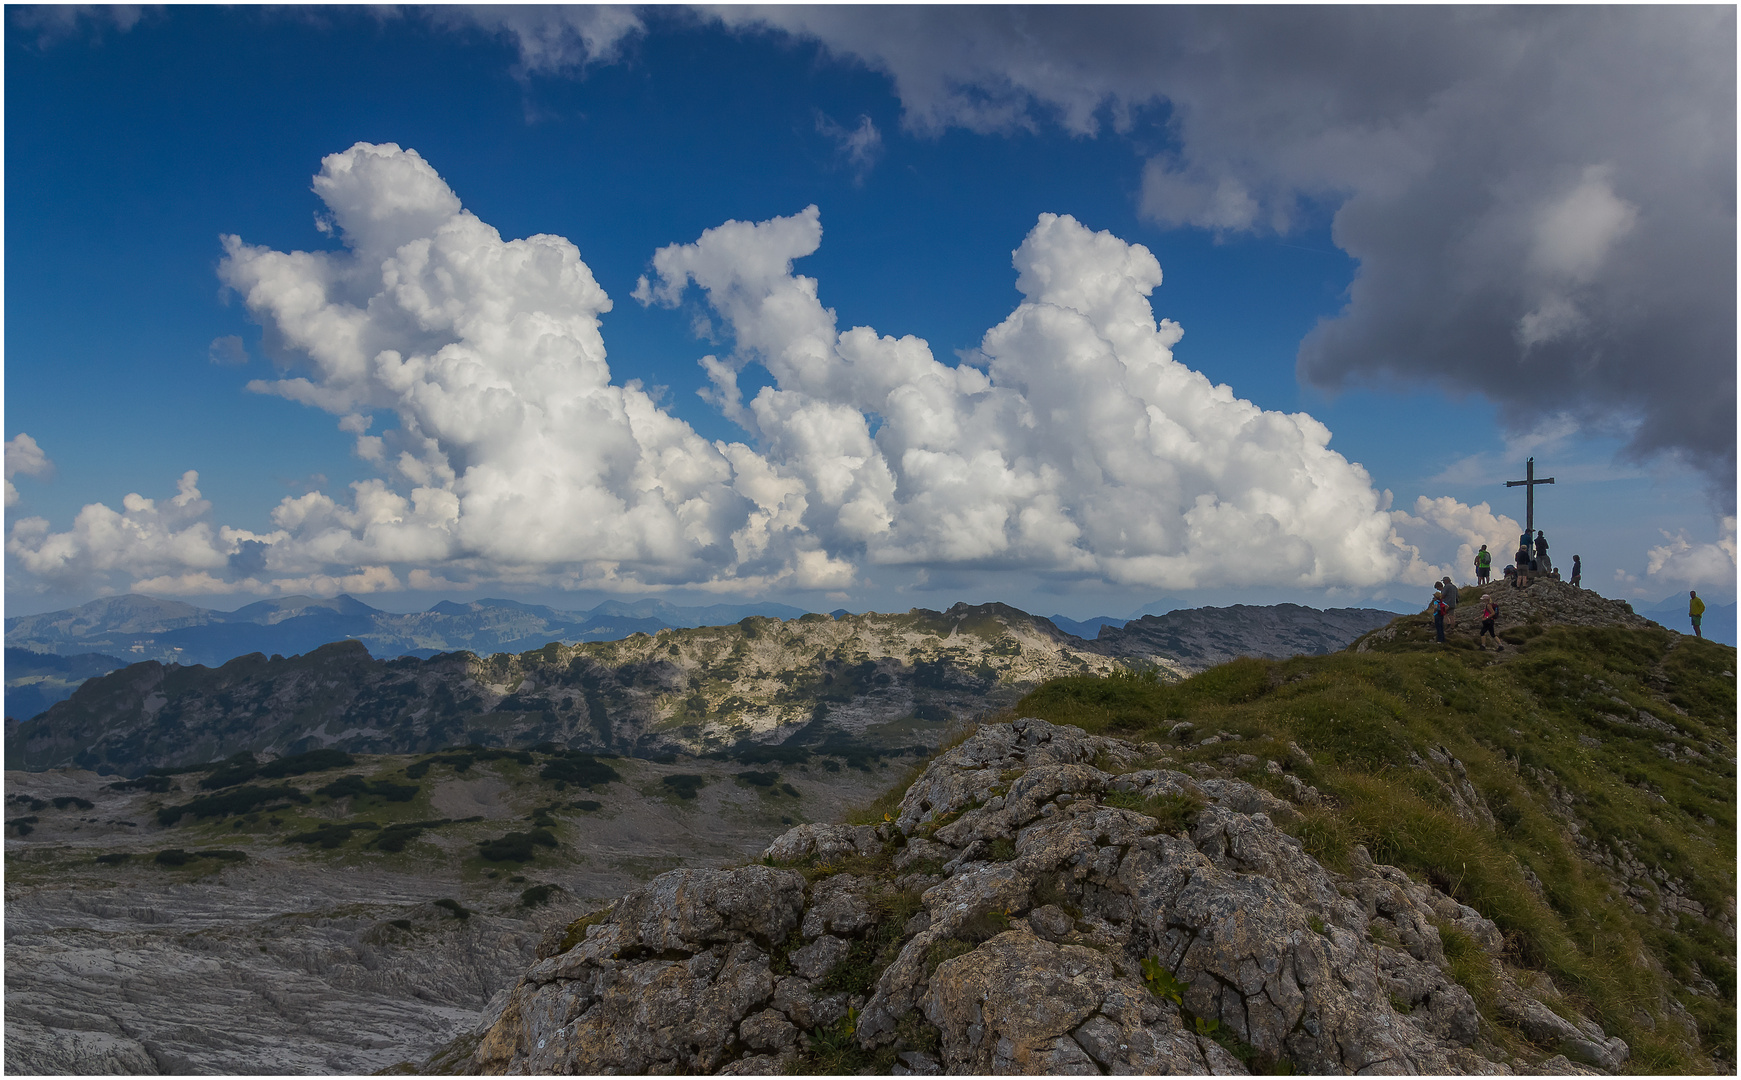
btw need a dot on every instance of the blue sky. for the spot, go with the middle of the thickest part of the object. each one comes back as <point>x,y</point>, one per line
<point>1294,265</point>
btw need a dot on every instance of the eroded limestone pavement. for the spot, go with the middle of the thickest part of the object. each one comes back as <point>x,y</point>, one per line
<point>1042,928</point>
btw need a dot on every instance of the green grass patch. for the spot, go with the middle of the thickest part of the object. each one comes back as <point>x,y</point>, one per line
<point>1175,811</point>
<point>1570,724</point>
<point>576,932</point>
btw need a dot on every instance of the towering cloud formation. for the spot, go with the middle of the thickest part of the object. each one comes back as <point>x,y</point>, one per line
<point>1075,446</point>
<point>1542,200</point>
<point>1080,446</point>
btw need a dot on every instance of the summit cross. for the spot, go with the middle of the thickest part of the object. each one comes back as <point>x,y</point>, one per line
<point>1528,484</point>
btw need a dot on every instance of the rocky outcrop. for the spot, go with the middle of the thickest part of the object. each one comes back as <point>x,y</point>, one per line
<point>1043,901</point>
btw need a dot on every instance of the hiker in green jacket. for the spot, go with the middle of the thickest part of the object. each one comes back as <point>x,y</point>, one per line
<point>1695,612</point>
<point>1483,565</point>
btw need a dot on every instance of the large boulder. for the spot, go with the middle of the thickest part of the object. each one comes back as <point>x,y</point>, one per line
<point>1030,910</point>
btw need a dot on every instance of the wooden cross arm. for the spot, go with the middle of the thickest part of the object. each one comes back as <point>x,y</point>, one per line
<point>1520,483</point>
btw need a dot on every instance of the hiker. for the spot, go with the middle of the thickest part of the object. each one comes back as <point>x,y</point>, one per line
<point>1483,565</point>
<point>1522,581</point>
<point>1541,553</point>
<point>1695,612</point>
<point>1489,612</point>
<point>1577,570</point>
<point>1510,575</point>
<point>1439,615</point>
<point>1450,595</point>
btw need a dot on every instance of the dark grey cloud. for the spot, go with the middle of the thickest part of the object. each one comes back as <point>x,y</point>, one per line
<point>1542,200</point>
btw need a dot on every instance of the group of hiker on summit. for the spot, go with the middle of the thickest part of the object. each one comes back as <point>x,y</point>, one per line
<point>1444,604</point>
<point>1531,558</point>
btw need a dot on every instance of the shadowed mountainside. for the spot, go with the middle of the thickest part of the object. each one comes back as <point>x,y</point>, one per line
<point>1200,638</point>
<point>882,678</point>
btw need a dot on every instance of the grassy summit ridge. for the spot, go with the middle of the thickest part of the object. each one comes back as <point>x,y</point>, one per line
<point>1578,789</point>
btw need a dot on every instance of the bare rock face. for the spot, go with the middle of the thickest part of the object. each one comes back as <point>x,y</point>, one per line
<point>1059,918</point>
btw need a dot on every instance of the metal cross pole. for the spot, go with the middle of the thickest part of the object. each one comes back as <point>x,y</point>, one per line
<point>1528,484</point>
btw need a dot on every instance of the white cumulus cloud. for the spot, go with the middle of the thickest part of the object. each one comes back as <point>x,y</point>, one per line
<point>24,456</point>
<point>1679,559</point>
<point>1073,446</point>
<point>1081,447</point>
<point>1438,524</point>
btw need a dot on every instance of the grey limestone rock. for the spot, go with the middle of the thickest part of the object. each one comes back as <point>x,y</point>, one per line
<point>1066,936</point>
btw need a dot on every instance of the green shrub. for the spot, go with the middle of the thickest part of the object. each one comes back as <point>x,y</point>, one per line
<point>239,801</point>
<point>583,770</point>
<point>330,835</point>
<point>759,779</point>
<point>115,859</point>
<point>178,857</point>
<point>354,785</point>
<point>395,837</point>
<point>243,767</point>
<point>61,802</point>
<point>301,764</point>
<point>686,785</point>
<point>454,906</point>
<point>537,895</point>
<point>515,846</point>
<point>155,783</point>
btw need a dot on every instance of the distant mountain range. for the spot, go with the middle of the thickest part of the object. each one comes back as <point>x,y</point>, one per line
<point>864,682</point>
<point>47,656</point>
<point>137,628</point>
<point>1718,623</point>
<point>1195,639</point>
